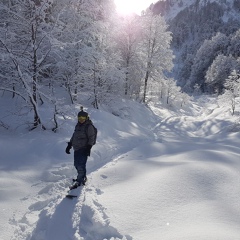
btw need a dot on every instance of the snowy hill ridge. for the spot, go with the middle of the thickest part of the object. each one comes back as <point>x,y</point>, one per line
<point>195,25</point>
<point>153,174</point>
<point>171,8</point>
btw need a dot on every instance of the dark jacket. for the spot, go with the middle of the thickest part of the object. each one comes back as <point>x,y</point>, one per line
<point>83,135</point>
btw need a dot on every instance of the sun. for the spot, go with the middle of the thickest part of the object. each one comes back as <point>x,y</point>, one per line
<point>126,7</point>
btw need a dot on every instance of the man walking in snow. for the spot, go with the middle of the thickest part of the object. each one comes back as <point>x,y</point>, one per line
<point>83,138</point>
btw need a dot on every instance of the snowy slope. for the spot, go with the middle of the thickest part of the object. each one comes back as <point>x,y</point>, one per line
<point>176,6</point>
<point>154,174</point>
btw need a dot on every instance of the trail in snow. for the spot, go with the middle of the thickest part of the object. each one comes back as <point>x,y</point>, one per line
<point>57,217</point>
<point>51,216</point>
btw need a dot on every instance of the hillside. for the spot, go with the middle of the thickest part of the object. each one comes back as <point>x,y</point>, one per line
<point>153,174</point>
<point>196,25</point>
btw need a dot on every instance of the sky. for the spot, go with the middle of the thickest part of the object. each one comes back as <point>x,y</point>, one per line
<point>129,6</point>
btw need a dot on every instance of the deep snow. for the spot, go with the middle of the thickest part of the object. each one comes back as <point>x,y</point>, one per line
<point>153,174</point>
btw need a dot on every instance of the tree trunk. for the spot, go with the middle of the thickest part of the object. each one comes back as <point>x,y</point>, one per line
<point>33,99</point>
<point>95,101</point>
<point>13,93</point>
<point>126,80</point>
<point>145,86</point>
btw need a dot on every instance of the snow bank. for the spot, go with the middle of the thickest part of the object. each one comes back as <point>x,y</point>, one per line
<point>153,174</point>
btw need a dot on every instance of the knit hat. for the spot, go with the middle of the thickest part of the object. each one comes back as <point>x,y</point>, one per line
<point>83,114</point>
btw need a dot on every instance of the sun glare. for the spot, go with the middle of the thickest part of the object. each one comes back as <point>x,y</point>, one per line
<point>126,7</point>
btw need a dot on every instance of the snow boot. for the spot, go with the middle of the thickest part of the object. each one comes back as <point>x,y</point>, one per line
<point>75,185</point>
<point>83,181</point>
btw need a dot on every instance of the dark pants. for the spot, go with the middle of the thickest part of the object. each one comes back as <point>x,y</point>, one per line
<point>80,160</point>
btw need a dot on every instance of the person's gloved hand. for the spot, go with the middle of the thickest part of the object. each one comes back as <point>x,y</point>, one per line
<point>69,146</point>
<point>88,150</point>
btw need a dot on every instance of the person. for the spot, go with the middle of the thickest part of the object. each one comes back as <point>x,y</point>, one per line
<point>82,140</point>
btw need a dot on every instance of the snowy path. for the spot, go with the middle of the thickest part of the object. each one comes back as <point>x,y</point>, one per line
<point>52,216</point>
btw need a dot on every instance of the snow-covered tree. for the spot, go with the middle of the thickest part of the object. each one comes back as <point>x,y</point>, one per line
<point>128,39</point>
<point>58,43</point>
<point>232,83</point>
<point>156,55</point>
<point>184,99</point>
<point>232,90</point>
<point>78,42</point>
<point>88,50</point>
<point>234,45</point>
<point>25,43</point>
<point>218,72</point>
<point>206,54</point>
<point>172,90</point>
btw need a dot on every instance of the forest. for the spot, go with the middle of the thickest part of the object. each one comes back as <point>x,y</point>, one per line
<point>206,38</point>
<point>85,49</point>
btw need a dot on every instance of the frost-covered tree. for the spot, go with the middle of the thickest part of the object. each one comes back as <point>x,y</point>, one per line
<point>233,82</point>
<point>77,42</point>
<point>184,99</point>
<point>185,70</point>
<point>106,81</point>
<point>172,90</point>
<point>156,55</point>
<point>228,99</point>
<point>128,40</point>
<point>191,27</point>
<point>206,54</point>
<point>88,49</point>
<point>232,90</point>
<point>106,76</point>
<point>234,45</point>
<point>57,43</point>
<point>218,72</point>
<point>25,45</point>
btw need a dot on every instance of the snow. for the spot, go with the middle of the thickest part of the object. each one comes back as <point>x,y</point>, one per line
<point>154,173</point>
<point>177,8</point>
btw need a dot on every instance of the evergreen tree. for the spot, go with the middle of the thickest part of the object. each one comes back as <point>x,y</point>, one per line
<point>234,45</point>
<point>218,73</point>
<point>204,58</point>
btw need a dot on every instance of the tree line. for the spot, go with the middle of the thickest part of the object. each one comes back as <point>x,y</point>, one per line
<point>84,48</point>
<point>206,40</point>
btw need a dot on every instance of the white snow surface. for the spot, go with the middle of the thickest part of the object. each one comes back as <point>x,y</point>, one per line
<point>153,174</point>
